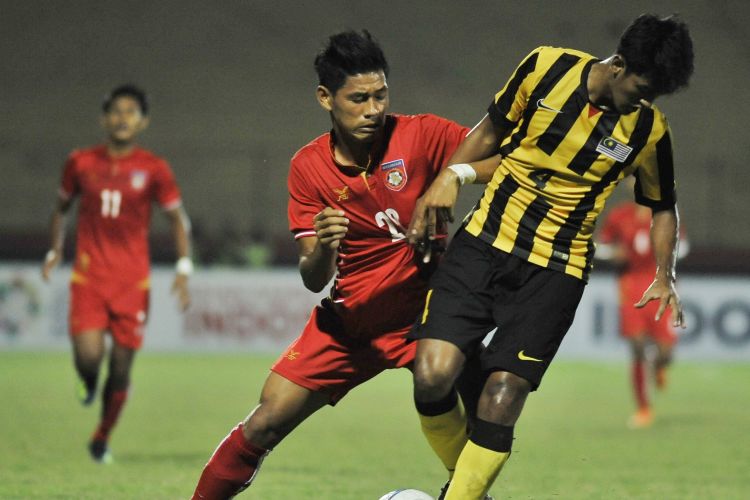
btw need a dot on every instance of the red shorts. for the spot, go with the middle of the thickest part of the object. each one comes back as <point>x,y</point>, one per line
<point>120,308</point>
<point>325,359</point>
<point>638,322</point>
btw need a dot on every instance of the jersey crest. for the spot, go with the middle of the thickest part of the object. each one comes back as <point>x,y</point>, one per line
<point>138,179</point>
<point>395,174</point>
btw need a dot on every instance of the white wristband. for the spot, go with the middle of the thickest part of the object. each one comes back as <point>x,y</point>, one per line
<point>184,266</point>
<point>465,172</point>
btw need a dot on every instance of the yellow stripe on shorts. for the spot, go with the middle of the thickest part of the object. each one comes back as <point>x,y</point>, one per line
<point>426,306</point>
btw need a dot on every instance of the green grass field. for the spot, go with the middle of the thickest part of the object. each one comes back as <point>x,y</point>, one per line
<point>571,441</point>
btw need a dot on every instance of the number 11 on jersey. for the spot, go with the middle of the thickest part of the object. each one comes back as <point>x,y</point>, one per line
<point>111,202</point>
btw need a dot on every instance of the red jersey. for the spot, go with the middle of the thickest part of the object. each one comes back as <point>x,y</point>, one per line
<point>380,285</point>
<point>629,226</point>
<point>115,209</point>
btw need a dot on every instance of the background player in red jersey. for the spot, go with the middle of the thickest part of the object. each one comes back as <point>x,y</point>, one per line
<point>352,193</point>
<point>625,240</point>
<point>117,183</point>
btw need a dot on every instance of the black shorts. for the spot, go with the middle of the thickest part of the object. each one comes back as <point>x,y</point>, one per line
<point>478,287</point>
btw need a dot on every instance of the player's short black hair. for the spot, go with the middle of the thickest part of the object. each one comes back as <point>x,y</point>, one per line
<point>659,49</point>
<point>348,53</point>
<point>128,90</point>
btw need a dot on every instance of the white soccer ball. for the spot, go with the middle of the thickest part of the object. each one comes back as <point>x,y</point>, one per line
<point>406,494</point>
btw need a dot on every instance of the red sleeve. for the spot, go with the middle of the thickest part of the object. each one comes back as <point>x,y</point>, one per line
<point>304,201</point>
<point>441,137</point>
<point>69,185</point>
<point>166,192</point>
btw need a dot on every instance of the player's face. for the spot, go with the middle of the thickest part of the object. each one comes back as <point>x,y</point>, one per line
<point>358,108</point>
<point>124,120</point>
<point>629,90</point>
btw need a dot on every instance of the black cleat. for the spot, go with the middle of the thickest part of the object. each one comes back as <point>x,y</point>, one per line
<point>100,452</point>
<point>85,395</point>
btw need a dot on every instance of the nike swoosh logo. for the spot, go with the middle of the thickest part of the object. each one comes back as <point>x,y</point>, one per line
<point>524,357</point>
<point>540,104</point>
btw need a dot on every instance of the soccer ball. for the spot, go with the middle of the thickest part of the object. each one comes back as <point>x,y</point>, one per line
<point>406,494</point>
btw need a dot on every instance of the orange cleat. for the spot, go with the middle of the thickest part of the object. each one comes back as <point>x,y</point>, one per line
<point>641,419</point>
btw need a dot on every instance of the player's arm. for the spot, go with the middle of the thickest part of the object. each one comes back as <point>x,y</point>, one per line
<point>664,237</point>
<point>317,254</point>
<point>180,224</point>
<point>57,236</point>
<point>474,161</point>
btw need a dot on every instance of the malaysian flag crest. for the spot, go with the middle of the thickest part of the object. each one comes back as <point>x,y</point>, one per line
<point>613,148</point>
<point>395,174</point>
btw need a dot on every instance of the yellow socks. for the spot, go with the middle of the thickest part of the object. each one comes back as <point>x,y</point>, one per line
<point>444,426</point>
<point>481,461</point>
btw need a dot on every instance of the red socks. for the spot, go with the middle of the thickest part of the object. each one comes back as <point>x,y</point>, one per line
<point>110,413</point>
<point>230,469</point>
<point>639,384</point>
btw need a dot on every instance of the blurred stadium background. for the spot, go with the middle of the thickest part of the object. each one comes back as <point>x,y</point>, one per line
<point>231,87</point>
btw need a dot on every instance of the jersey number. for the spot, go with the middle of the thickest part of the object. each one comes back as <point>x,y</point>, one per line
<point>389,217</point>
<point>541,177</point>
<point>111,203</point>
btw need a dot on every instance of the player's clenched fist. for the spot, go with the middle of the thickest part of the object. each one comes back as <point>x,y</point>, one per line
<point>330,226</point>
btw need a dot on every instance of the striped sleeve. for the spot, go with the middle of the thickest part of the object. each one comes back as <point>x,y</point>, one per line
<point>509,104</point>
<point>654,177</point>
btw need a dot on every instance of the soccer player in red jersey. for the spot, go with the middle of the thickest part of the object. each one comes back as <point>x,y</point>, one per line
<point>352,191</point>
<point>625,240</point>
<point>116,183</point>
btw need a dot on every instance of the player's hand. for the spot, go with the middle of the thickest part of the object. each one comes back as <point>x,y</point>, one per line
<point>180,289</point>
<point>330,227</point>
<point>664,291</point>
<point>51,260</point>
<point>432,208</point>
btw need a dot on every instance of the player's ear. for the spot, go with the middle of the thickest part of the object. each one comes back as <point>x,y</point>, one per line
<point>618,65</point>
<point>145,122</point>
<point>325,97</point>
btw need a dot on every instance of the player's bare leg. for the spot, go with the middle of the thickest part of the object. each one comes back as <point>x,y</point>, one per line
<point>441,413</point>
<point>88,353</point>
<point>283,406</point>
<point>114,395</point>
<point>484,455</point>
<point>643,416</point>
<point>234,464</point>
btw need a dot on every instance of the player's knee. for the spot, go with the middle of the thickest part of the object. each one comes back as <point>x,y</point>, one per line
<point>432,380</point>
<point>506,389</point>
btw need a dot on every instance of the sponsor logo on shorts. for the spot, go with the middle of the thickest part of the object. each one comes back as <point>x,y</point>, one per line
<point>524,357</point>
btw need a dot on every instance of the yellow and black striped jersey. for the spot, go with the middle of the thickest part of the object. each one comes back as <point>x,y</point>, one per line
<point>561,160</point>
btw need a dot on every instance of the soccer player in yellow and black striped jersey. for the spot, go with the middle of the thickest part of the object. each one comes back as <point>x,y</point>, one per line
<point>568,127</point>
